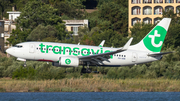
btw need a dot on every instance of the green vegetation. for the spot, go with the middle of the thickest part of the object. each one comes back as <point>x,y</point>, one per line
<point>94,84</point>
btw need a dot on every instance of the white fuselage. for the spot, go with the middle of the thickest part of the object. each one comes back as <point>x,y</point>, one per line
<point>51,52</point>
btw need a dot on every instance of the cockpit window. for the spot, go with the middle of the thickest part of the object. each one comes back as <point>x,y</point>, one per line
<point>18,46</point>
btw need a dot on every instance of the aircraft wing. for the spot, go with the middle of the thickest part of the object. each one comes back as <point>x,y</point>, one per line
<point>98,58</point>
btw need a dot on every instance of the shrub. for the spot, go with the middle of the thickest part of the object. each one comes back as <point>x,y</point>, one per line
<point>24,73</point>
<point>1,70</point>
<point>112,74</point>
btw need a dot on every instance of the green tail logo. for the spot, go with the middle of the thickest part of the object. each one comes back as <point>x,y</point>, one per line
<point>154,40</point>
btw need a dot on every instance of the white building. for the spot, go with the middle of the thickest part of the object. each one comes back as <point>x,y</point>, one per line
<point>73,25</point>
<point>13,15</point>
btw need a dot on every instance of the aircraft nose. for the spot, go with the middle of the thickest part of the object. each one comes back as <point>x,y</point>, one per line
<point>9,51</point>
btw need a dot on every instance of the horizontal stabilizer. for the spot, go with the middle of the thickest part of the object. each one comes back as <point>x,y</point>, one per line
<point>156,54</point>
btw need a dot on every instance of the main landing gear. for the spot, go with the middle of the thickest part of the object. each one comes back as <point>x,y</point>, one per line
<point>87,69</point>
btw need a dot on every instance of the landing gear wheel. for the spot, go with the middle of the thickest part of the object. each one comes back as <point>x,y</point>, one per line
<point>24,64</point>
<point>83,70</point>
<point>86,70</point>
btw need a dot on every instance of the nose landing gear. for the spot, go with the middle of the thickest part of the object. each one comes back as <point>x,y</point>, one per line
<point>25,64</point>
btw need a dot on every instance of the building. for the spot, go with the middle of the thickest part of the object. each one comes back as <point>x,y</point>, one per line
<point>13,15</point>
<point>2,35</point>
<point>148,11</point>
<point>9,25</point>
<point>73,25</point>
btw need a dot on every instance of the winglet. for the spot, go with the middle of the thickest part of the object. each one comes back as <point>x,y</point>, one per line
<point>126,46</point>
<point>102,43</point>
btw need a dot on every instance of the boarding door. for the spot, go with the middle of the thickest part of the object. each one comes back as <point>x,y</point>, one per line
<point>134,57</point>
<point>31,48</point>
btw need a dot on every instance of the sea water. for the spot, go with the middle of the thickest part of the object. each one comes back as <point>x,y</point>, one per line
<point>91,96</point>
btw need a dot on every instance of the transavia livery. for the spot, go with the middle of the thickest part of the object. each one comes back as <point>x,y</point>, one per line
<point>61,54</point>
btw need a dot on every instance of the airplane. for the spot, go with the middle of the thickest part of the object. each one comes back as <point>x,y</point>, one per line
<point>73,55</point>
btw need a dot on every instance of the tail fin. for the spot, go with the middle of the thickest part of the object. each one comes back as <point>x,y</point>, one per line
<point>153,41</point>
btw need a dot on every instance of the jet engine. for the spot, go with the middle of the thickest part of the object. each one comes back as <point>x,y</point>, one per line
<point>67,61</point>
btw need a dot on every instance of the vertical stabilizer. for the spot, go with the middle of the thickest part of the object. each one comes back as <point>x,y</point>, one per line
<point>153,41</point>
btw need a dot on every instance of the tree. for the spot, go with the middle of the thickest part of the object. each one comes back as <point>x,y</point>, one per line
<point>36,13</point>
<point>68,9</point>
<point>173,34</point>
<point>4,5</point>
<point>139,31</point>
<point>115,17</point>
<point>19,4</point>
<point>112,38</point>
<point>110,16</point>
<point>42,32</point>
<point>18,36</point>
<point>78,4</point>
<point>100,2</point>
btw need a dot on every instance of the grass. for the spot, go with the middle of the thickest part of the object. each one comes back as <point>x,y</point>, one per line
<point>95,84</point>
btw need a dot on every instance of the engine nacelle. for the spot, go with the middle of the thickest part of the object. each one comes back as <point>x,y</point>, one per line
<point>67,61</point>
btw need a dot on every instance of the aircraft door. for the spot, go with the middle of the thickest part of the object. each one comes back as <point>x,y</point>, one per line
<point>134,57</point>
<point>31,48</point>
